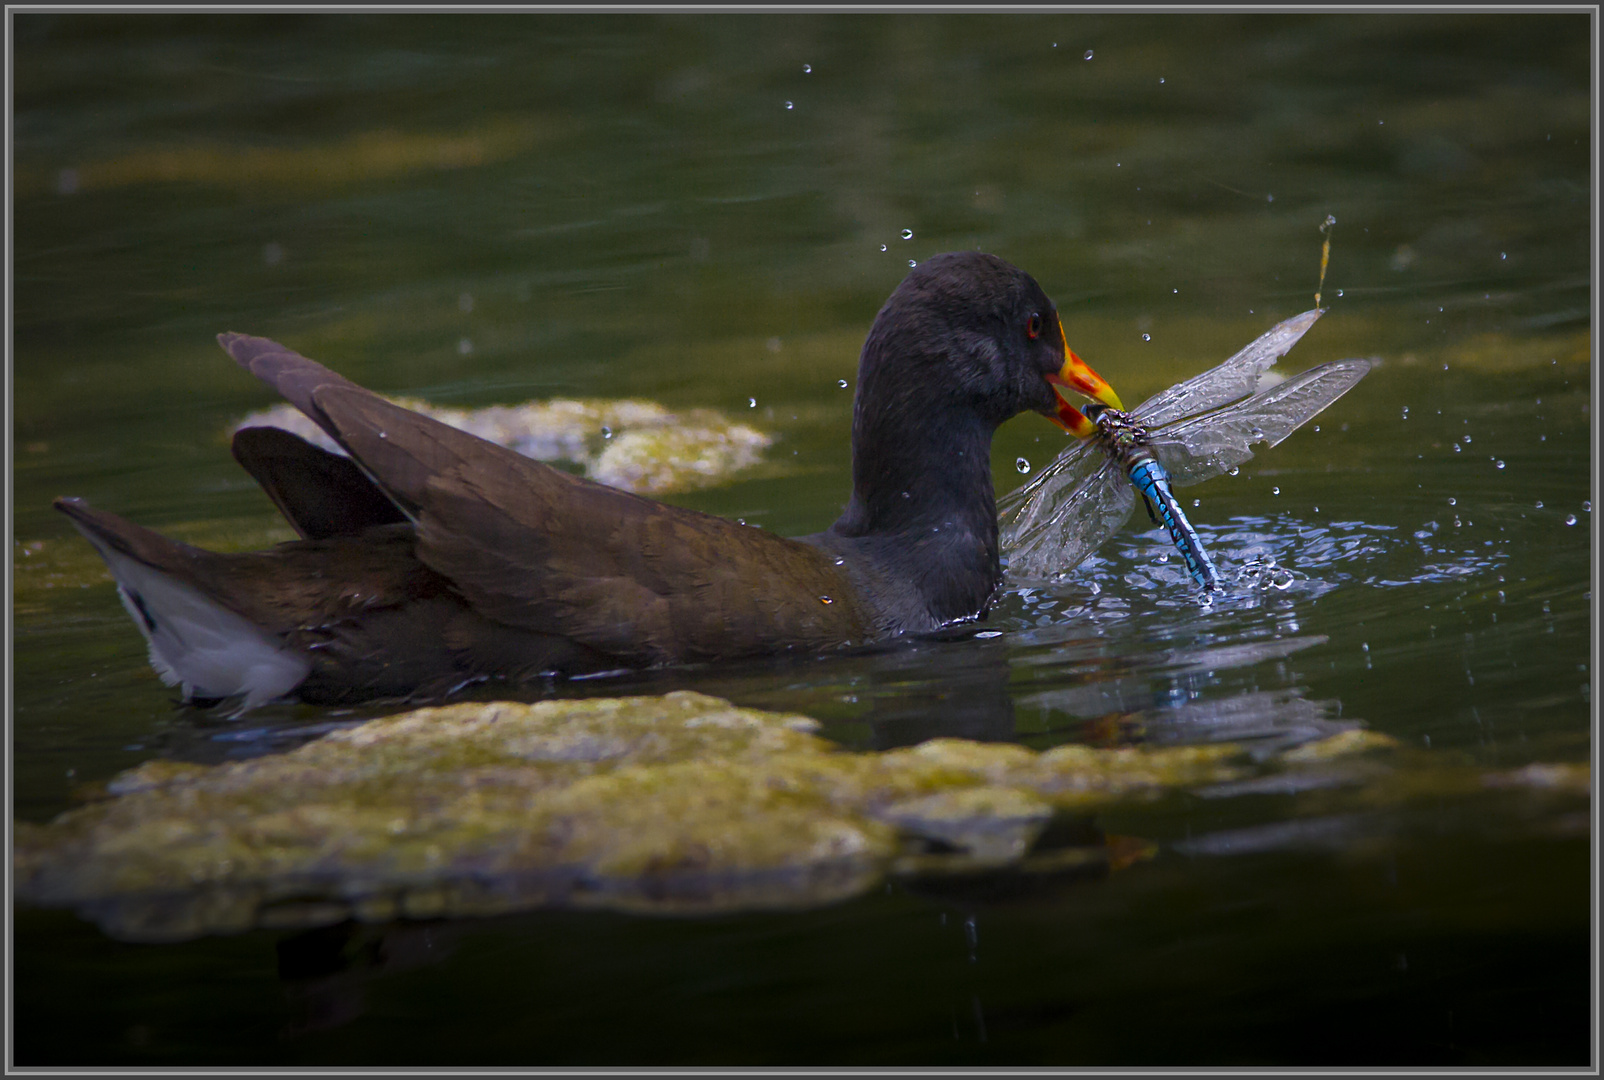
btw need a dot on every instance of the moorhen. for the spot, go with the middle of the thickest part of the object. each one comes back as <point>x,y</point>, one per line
<point>432,559</point>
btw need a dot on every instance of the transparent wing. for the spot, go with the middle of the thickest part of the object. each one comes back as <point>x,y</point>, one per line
<point>1206,446</point>
<point>1068,522</point>
<point>1028,504</point>
<point>1081,499</point>
<point>1236,378</point>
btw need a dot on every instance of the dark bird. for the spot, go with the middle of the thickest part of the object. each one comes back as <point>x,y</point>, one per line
<point>432,559</point>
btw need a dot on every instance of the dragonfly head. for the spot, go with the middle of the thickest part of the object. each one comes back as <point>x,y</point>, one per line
<point>1077,376</point>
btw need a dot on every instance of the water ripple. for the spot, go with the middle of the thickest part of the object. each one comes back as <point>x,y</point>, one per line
<point>1260,558</point>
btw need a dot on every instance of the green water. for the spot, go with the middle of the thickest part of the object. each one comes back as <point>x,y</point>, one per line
<point>708,211</point>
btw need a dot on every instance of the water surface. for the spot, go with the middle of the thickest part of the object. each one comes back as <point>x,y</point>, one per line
<point>707,212</point>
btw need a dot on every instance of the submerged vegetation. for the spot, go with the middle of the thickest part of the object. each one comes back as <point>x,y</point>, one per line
<point>675,804</point>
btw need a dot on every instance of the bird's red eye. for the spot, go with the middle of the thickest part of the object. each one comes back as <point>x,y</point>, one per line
<point>1033,325</point>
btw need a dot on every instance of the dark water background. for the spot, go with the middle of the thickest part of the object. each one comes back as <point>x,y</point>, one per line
<point>707,210</point>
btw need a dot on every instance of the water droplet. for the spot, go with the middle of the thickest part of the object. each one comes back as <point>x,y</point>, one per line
<point>1457,448</point>
<point>907,234</point>
<point>913,262</point>
<point>1196,503</point>
<point>1467,440</point>
<point>1022,465</point>
<point>751,403</point>
<point>807,69</point>
<point>825,600</point>
<point>1452,501</point>
<point>1161,82</point>
<point>1570,519</point>
<point>1235,470</point>
<point>1317,427</point>
<point>1498,464</point>
<point>1088,55</point>
<point>842,383</point>
<point>1164,557</point>
<point>788,105</point>
<point>1587,506</point>
<point>1275,491</point>
<point>1339,292</point>
<point>1147,337</point>
<point>839,561</point>
<point>1503,255</point>
<point>883,247</point>
<point>1539,504</point>
<point>607,432</point>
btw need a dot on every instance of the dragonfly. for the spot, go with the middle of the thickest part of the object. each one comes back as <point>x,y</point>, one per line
<point>1194,431</point>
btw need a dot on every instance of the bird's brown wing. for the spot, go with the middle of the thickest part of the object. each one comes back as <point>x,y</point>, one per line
<point>320,493</point>
<point>533,547</point>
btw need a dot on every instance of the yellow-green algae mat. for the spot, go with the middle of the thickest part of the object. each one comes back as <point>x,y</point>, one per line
<point>678,804</point>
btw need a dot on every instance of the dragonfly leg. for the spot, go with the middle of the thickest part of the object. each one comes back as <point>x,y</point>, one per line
<point>1152,514</point>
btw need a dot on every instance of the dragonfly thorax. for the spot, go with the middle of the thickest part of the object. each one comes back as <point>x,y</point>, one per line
<point>1121,435</point>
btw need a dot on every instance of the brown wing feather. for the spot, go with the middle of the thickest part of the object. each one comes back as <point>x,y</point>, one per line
<point>294,376</point>
<point>535,547</point>
<point>320,493</point>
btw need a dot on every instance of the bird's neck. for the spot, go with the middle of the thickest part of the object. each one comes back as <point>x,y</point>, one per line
<point>922,496</point>
<point>908,475</point>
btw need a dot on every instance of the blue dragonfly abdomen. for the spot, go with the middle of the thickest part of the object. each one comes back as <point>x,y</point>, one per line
<point>1126,442</point>
<point>1154,484</point>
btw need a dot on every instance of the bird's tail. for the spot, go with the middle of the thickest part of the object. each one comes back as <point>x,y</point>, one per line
<point>196,642</point>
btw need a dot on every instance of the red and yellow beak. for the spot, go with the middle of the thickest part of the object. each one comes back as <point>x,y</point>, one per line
<point>1076,376</point>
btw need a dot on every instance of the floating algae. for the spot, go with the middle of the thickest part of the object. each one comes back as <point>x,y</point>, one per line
<point>630,444</point>
<point>678,804</point>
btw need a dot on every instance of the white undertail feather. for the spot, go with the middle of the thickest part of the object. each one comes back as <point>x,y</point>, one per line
<point>196,643</point>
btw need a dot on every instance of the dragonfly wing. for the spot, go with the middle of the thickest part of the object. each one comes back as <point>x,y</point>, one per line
<point>1236,378</point>
<point>1206,446</point>
<point>1075,522</point>
<point>1028,504</point>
